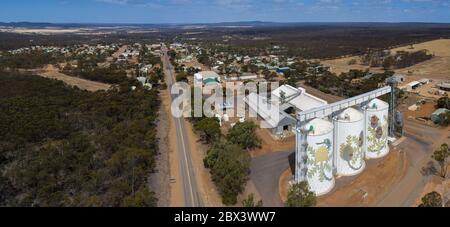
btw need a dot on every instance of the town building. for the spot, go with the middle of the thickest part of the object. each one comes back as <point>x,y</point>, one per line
<point>438,116</point>
<point>205,78</point>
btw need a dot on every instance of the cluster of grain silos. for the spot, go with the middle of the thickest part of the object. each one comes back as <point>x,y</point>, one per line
<point>340,147</point>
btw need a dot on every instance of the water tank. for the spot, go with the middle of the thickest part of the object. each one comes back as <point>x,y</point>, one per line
<point>377,125</point>
<point>320,156</point>
<point>349,142</point>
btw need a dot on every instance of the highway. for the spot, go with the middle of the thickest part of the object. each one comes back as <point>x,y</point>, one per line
<point>187,171</point>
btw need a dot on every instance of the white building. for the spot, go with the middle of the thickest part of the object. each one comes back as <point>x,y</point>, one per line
<point>287,101</point>
<point>206,78</point>
<point>146,68</point>
<point>270,115</point>
<point>412,85</point>
<point>297,98</point>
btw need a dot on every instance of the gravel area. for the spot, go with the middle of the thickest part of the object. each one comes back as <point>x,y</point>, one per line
<point>159,181</point>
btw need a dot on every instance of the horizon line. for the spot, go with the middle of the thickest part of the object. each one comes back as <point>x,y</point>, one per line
<point>221,22</point>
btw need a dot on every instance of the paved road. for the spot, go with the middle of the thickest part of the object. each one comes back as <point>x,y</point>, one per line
<point>265,174</point>
<point>187,171</point>
<point>419,144</point>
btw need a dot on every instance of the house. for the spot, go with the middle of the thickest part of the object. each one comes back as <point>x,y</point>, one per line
<point>445,86</point>
<point>438,116</point>
<point>425,81</point>
<point>412,86</point>
<point>146,68</point>
<point>206,78</point>
<point>226,105</point>
<point>282,69</point>
<point>144,82</point>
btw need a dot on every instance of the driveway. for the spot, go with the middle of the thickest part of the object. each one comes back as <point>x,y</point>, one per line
<point>265,173</point>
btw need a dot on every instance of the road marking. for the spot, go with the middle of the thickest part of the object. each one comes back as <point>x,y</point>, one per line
<point>183,145</point>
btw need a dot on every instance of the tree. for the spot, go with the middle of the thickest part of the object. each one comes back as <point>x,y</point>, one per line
<point>245,68</point>
<point>445,118</point>
<point>432,199</point>
<point>210,129</point>
<point>250,202</point>
<point>441,156</point>
<point>244,134</point>
<point>443,102</point>
<point>300,196</point>
<point>143,198</point>
<point>268,75</point>
<point>229,166</point>
<point>352,62</point>
<point>69,147</point>
<point>182,76</point>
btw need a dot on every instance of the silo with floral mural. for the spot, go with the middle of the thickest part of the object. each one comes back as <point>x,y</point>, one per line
<point>377,125</point>
<point>349,156</point>
<point>320,156</point>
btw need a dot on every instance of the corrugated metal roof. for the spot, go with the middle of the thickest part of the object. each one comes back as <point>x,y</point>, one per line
<point>269,112</point>
<point>440,111</point>
<point>298,98</point>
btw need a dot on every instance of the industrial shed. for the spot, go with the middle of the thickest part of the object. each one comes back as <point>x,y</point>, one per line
<point>274,119</point>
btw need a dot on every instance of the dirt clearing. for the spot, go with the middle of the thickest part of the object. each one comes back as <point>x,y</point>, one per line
<point>270,145</point>
<point>53,73</point>
<point>368,187</point>
<point>160,180</point>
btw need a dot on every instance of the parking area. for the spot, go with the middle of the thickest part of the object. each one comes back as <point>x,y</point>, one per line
<point>265,173</point>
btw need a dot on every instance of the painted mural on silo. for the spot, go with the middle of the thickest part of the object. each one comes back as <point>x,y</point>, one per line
<point>377,125</point>
<point>350,142</point>
<point>320,156</point>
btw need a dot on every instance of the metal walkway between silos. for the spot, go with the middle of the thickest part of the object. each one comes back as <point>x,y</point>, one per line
<point>327,110</point>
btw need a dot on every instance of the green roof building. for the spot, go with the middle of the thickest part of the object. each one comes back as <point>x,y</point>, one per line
<point>437,116</point>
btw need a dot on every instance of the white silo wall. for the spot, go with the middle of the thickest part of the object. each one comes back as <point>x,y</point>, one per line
<point>349,142</point>
<point>320,156</point>
<point>377,126</point>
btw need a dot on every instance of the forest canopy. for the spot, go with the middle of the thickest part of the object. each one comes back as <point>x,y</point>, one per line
<point>61,146</point>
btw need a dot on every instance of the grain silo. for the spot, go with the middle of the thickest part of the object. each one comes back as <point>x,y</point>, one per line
<point>349,139</point>
<point>320,156</point>
<point>377,123</point>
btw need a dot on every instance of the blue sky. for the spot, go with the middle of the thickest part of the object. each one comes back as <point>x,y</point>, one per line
<point>205,11</point>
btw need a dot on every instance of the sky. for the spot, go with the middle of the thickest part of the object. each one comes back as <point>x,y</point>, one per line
<point>210,11</point>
